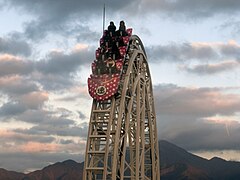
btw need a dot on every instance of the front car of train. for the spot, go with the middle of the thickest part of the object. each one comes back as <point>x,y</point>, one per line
<point>107,68</point>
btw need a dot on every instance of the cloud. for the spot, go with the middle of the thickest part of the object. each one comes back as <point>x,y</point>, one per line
<point>14,65</point>
<point>230,49</point>
<point>19,138</point>
<point>207,136</point>
<point>21,95</point>
<point>40,160</point>
<point>198,102</point>
<point>46,149</point>
<point>59,127</point>
<point>60,63</point>
<point>184,117</point>
<point>79,29</point>
<point>34,116</point>
<point>34,100</point>
<point>26,84</point>
<point>19,104</point>
<point>75,93</point>
<point>37,30</point>
<point>76,18</point>
<point>62,17</point>
<point>11,109</point>
<point>181,52</point>
<point>199,51</point>
<point>64,8</point>
<point>58,70</point>
<point>14,46</point>
<point>60,122</point>
<point>81,115</point>
<point>207,69</point>
<point>26,102</point>
<point>54,82</point>
<point>54,72</point>
<point>191,9</point>
<point>52,137</point>
<point>231,24</point>
<point>62,141</point>
<point>33,147</point>
<point>16,85</point>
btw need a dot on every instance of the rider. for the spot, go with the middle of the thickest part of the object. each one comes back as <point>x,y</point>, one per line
<point>122,29</point>
<point>112,29</point>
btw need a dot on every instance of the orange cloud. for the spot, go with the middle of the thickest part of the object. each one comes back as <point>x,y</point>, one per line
<point>9,57</point>
<point>6,133</point>
<point>80,47</point>
<point>8,80</point>
<point>39,147</point>
<point>17,142</point>
<point>230,43</point>
<point>34,99</point>
<point>221,120</point>
<point>80,90</point>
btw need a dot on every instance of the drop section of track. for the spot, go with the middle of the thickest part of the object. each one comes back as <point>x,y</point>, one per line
<point>122,138</point>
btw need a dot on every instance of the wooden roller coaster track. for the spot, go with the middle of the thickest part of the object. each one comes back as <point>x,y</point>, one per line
<point>122,138</point>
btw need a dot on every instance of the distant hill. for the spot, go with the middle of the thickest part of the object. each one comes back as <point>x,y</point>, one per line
<point>67,170</point>
<point>10,175</point>
<point>176,164</point>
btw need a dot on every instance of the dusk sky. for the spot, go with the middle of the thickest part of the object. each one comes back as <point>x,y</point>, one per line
<point>46,47</point>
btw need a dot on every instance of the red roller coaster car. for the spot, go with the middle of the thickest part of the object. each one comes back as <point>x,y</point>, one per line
<point>107,68</point>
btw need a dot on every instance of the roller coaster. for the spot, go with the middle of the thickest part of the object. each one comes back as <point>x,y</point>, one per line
<point>122,138</point>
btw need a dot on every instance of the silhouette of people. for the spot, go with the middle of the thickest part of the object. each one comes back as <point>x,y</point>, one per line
<point>112,29</point>
<point>122,29</point>
<point>115,51</point>
<point>109,51</point>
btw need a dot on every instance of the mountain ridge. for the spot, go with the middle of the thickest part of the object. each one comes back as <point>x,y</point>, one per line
<point>176,163</point>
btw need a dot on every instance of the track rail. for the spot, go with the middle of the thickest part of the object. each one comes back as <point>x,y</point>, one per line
<point>122,139</point>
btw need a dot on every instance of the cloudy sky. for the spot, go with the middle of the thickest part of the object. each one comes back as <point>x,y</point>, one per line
<point>45,52</point>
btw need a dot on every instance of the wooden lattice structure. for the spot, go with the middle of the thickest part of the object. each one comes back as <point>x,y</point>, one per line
<point>122,138</point>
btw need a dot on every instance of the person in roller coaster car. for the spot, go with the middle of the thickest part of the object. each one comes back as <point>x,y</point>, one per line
<point>112,29</point>
<point>111,40</point>
<point>121,32</point>
<point>101,65</point>
<point>122,29</point>
<point>106,60</point>
<point>107,39</point>
<point>109,48</point>
<point>109,35</point>
<point>103,55</point>
<point>111,65</point>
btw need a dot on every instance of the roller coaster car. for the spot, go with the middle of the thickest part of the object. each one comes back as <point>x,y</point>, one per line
<point>107,68</point>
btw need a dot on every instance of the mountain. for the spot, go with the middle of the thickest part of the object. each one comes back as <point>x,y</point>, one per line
<point>66,170</point>
<point>59,171</point>
<point>10,175</point>
<point>176,163</point>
